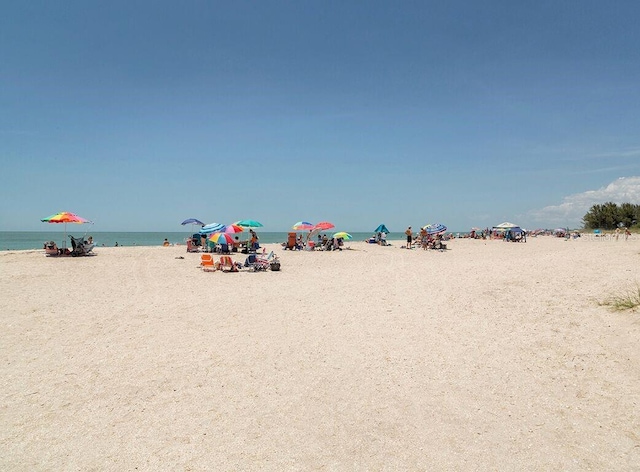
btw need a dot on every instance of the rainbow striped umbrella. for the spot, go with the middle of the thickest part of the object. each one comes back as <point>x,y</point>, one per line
<point>221,238</point>
<point>342,235</point>
<point>65,217</point>
<point>303,226</point>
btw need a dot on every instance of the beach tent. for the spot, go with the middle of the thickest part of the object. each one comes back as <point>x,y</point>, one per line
<point>514,229</point>
<point>506,225</point>
<point>381,229</point>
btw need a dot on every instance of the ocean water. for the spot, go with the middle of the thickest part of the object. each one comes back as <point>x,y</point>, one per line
<point>17,240</point>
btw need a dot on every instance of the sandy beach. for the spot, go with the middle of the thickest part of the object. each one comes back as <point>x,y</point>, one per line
<point>489,356</point>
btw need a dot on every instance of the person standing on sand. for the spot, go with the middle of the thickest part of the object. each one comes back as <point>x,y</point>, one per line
<point>617,233</point>
<point>254,239</point>
<point>424,237</point>
<point>409,234</point>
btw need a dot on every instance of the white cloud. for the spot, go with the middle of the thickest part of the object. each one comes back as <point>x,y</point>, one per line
<point>574,207</point>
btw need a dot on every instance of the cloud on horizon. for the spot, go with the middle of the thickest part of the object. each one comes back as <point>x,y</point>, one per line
<point>574,207</point>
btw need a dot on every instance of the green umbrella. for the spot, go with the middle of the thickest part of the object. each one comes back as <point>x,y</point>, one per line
<point>342,235</point>
<point>249,223</point>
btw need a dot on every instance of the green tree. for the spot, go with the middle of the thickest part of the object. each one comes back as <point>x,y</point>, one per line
<point>629,214</point>
<point>609,215</point>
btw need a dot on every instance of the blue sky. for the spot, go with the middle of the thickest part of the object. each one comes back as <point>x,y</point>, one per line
<point>140,114</point>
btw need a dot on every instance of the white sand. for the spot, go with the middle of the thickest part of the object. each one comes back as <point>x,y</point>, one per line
<point>491,356</point>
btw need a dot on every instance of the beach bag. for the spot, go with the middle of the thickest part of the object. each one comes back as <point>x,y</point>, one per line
<point>275,266</point>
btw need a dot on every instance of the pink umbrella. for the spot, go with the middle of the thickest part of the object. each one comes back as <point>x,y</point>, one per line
<point>233,228</point>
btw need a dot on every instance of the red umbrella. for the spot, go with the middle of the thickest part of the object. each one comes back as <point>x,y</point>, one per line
<point>324,225</point>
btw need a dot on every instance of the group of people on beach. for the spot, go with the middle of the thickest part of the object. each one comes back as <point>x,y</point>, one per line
<point>379,238</point>
<point>322,243</point>
<point>424,240</point>
<point>201,243</point>
<point>627,233</point>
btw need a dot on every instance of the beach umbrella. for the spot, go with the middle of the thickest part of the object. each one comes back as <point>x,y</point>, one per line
<point>313,233</point>
<point>249,223</point>
<point>381,229</point>
<point>342,235</point>
<point>192,221</point>
<point>324,225</point>
<point>232,228</point>
<point>65,217</point>
<point>435,228</point>
<point>302,226</point>
<point>212,228</point>
<point>221,238</point>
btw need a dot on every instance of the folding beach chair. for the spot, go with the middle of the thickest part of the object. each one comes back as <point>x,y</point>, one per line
<point>206,263</point>
<point>291,241</point>
<point>227,264</point>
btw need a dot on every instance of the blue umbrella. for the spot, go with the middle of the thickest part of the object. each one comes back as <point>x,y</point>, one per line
<point>381,229</point>
<point>435,228</point>
<point>192,221</point>
<point>212,228</point>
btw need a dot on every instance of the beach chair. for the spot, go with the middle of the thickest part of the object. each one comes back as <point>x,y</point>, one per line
<point>51,248</point>
<point>227,264</point>
<point>262,263</point>
<point>291,241</point>
<point>80,247</point>
<point>255,263</point>
<point>191,246</point>
<point>206,263</point>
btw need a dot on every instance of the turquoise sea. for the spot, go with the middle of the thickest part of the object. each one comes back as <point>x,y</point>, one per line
<point>22,240</point>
